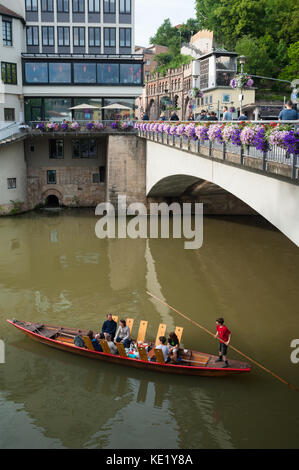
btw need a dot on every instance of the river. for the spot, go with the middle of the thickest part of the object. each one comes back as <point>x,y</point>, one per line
<point>55,270</point>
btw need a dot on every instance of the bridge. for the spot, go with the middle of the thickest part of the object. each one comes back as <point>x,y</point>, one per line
<point>268,182</point>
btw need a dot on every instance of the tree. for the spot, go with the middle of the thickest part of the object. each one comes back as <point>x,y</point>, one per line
<point>291,71</point>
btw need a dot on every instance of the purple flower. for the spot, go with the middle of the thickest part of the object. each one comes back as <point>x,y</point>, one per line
<point>64,126</point>
<point>214,133</point>
<point>250,83</point>
<point>99,125</point>
<point>113,125</point>
<point>40,126</point>
<point>75,125</point>
<point>291,142</point>
<point>247,135</point>
<point>260,141</point>
<point>89,126</point>
<point>233,83</point>
<point>236,140</point>
<point>202,132</point>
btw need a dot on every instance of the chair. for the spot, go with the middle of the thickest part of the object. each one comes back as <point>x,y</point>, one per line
<point>129,323</point>
<point>159,356</point>
<point>142,331</point>
<point>115,318</point>
<point>161,332</point>
<point>142,353</point>
<point>88,342</point>
<point>105,347</point>
<point>121,349</point>
<point>179,332</point>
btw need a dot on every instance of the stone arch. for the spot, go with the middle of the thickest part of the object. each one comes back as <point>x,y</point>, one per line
<point>52,192</point>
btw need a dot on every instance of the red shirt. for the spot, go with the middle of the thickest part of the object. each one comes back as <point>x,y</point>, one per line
<point>223,332</point>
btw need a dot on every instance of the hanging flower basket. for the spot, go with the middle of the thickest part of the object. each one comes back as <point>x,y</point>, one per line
<point>195,93</point>
<point>242,81</point>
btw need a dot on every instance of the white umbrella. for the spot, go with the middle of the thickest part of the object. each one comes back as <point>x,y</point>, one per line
<point>85,106</point>
<point>116,106</point>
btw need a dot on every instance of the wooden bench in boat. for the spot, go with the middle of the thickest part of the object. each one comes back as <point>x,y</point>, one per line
<point>142,353</point>
<point>161,332</point>
<point>121,349</point>
<point>130,323</point>
<point>142,331</point>
<point>159,356</point>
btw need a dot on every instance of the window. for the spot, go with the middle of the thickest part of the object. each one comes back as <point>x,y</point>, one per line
<point>9,114</point>
<point>59,72</point>
<point>130,73</point>
<point>11,183</point>
<point>78,6</point>
<point>36,72</point>
<point>79,36</point>
<point>56,149</point>
<point>108,73</point>
<point>9,73</point>
<point>124,37</point>
<point>32,36</point>
<point>109,6</point>
<point>85,73</point>
<point>47,5</point>
<point>6,32</point>
<point>99,177</point>
<point>94,6</point>
<point>63,34</point>
<point>63,6</point>
<point>31,5</point>
<point>109,37</point>
<point>84,148</point>
<point>94,37</point>
<point>51,176</point>
<point>48,35</point>
<point>125,6</point>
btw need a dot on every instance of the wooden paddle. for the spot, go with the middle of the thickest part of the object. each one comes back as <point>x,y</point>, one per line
<point>292,387</point>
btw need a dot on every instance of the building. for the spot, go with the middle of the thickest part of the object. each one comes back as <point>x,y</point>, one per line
<point>68,53</point>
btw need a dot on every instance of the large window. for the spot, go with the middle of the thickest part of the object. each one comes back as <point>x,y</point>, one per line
<point>85,73</point>
<point>78,6</point>
<point>63,6</point>
<point>109,6</point>
<point>32,36</point>
<point>79,36</point>
<point>59,72</point>
<point>36,72</point>
<point>94,6</point>
<point>47,5</point>
<point>48,35</point>
<point>84,148</point>
<point>31,5</point>
<point>94,37</point>
<point>63,35</point>
<point>56,109</point>
<point>124,37</point>
<point>9,73</point>
<point>125,7</point>
<point>109,37</point>
<point>108,73</point>
<point>56,149</point>
<point>7,32</point>
<point>131,73</point>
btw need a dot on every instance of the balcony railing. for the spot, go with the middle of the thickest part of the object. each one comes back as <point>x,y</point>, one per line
<point>80,127</point>
<point>260,155</point>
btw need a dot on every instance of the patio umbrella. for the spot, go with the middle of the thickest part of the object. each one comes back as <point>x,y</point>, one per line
<point>85,106</point>
<point>115,106</point>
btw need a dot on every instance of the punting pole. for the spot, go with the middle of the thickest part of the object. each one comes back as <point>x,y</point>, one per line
<point>292,387</point>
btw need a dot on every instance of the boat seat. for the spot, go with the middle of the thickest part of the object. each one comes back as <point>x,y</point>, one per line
<point>115,318</point>
<point>161,332</point>
<point>142,331</point>
<point>129,323</point>
<point>88,342</point>
<point>159,356</point>
<point>179,332</point>
<point>142,353</point>
<point>121,349</point>
<point>105,347</point>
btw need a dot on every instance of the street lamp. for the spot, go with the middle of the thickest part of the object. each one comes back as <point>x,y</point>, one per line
<point>242,60</point>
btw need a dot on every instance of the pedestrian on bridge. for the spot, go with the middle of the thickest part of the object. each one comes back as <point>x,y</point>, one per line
<point>289,113</point>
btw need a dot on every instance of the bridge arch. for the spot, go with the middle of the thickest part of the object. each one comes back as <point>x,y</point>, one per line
<point>169,171</point>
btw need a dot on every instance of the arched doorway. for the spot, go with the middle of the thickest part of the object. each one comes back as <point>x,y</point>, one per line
<point>52,201</point>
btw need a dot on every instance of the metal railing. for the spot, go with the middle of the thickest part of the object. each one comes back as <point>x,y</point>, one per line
<point>10,130</point>
<point>276,161</point>
<point>84,126</point>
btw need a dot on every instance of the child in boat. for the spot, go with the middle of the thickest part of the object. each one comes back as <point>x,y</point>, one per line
<point>111,345</point>
<point>164,347</point>
<point>224,334</point>
<point>173,346</point>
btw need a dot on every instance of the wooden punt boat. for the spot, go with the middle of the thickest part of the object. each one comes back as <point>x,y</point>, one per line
<point>193,362</point>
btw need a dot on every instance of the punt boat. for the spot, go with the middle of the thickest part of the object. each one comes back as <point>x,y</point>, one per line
<point>191,362</point>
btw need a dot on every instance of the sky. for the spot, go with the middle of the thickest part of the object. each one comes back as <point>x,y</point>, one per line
<point>150,14</point>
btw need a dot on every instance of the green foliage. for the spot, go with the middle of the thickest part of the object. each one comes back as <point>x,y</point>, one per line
<point>167,61</point>
<point>17,207</point>
<point>291,71</point>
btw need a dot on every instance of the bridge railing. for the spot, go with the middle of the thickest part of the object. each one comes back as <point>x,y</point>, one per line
<point>79,126</point>
<point>274,145</point>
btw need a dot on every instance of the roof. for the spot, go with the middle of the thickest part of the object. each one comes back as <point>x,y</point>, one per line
<point>7,12</point>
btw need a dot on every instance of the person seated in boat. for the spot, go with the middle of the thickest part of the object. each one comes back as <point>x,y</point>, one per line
<point>173,346</point>
<point>165,349</point>
<point>109,326</point>
<point>94,341</point>
<point>111,345</point>
<point>123,334</point>
<point>223,333</point>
